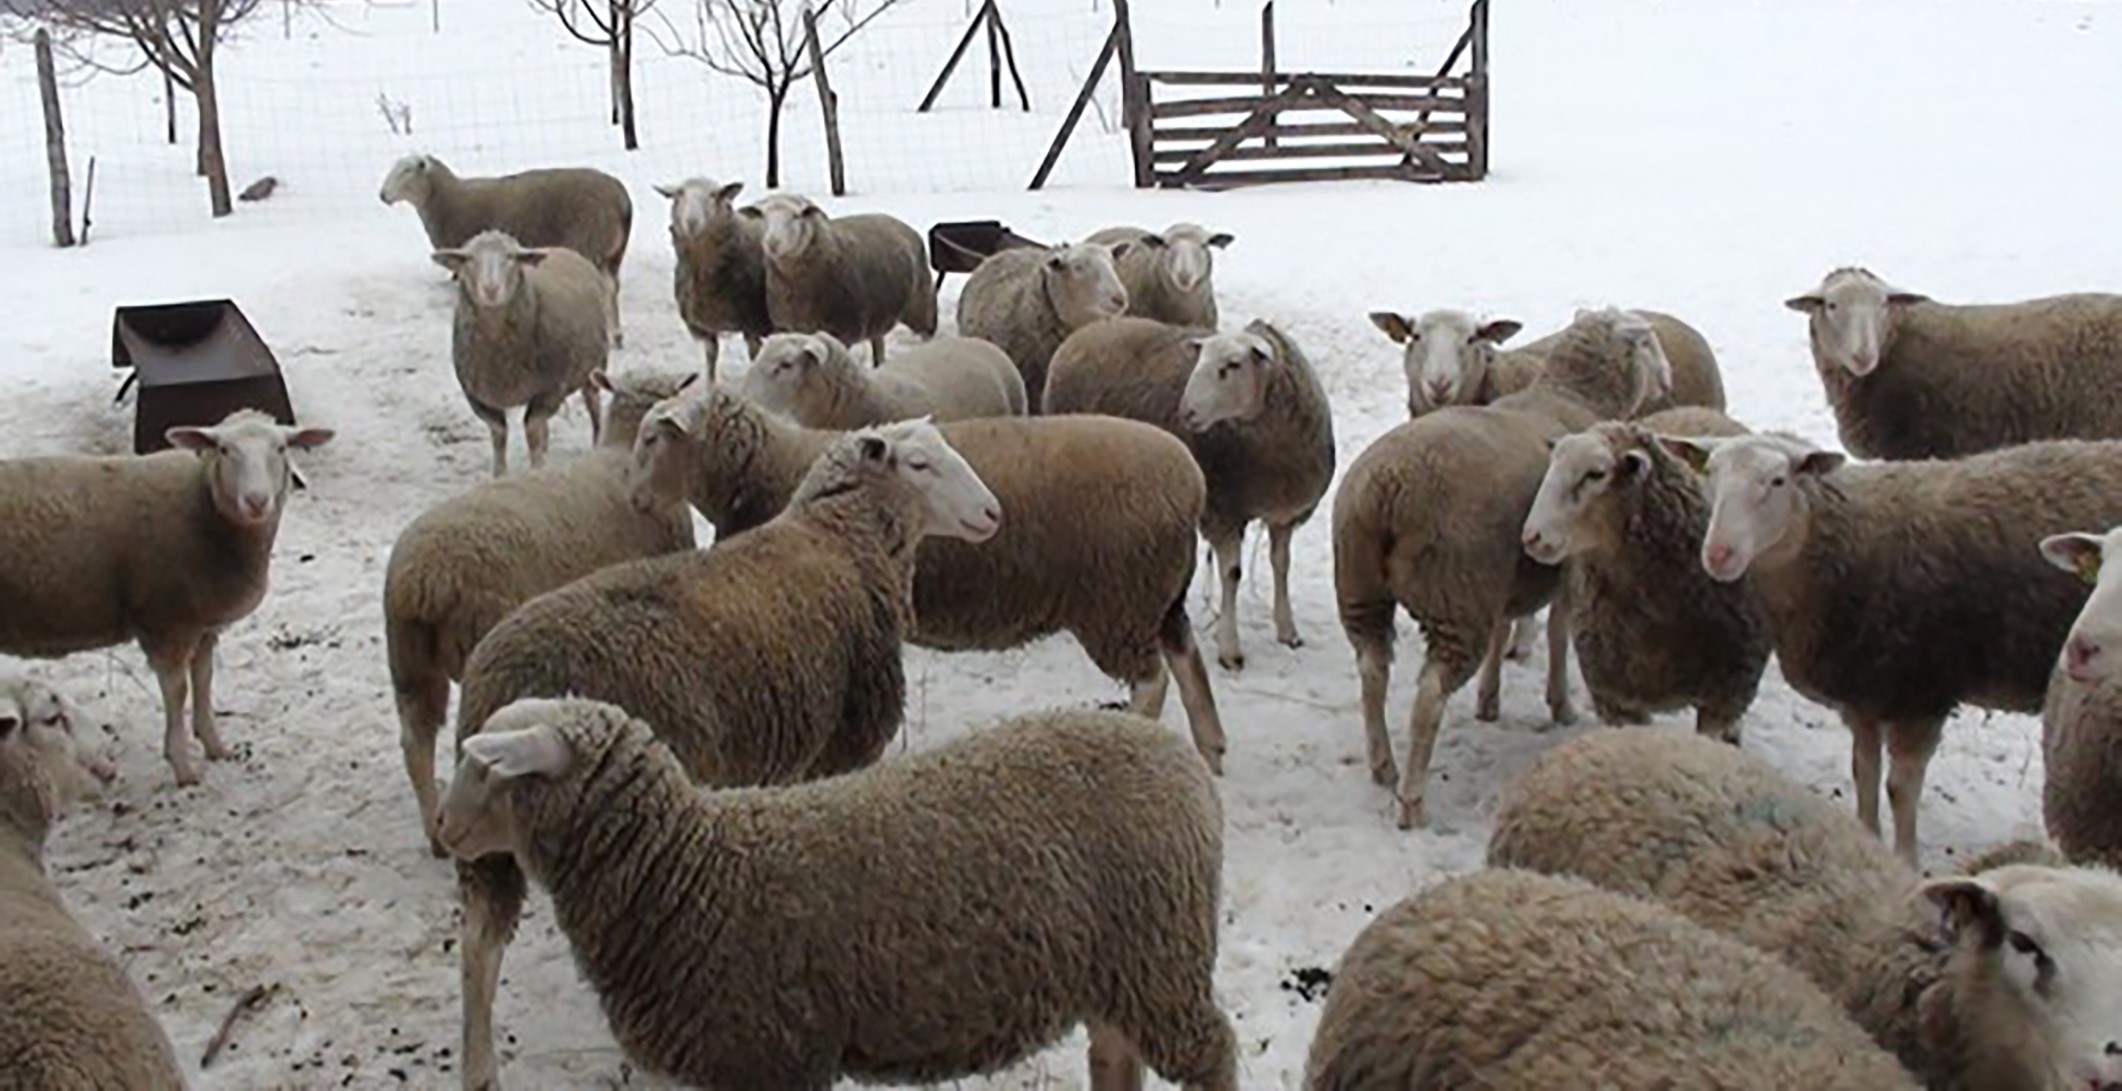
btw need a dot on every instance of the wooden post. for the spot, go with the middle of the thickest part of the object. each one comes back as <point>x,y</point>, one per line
<point>994,59</point>
<point>54,142</point>
<point>829,103</point>
<point>1075,112</point>
<point>1267,63</point>
<point>1477,94</point>
<point>928,101</point>
<point>1134,99</point>
<point>1009,53</point>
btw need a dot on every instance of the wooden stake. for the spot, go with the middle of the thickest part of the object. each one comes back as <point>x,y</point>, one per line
<point>54,142</point>
<point>1267,61</point>
<point>1134,98</point>
<point>928,101</point>
<point>1009,53</point>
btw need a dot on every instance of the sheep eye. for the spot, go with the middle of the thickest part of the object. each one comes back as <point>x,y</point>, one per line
<point>917,465</point>
<point>1595,475</point>
<point>1778,482</point>
<point>2025,945</point>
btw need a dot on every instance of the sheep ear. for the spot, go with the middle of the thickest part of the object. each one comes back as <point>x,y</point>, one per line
<point>754,211</point>
<point>1688,449</point>
<point>1263,353</point>
<point>671,192</point>
<point>687,382</point>
<point>1393,326</point>
<point>601,381</point>
<point>1635,466</point>
<point>1121,249</point>
<point>1497,331</point>
<point>1221,239</point>
<point>872,448</point>
<point>1057,261</point>
<point>532,752</point>
<point>192,439</point>
<point>1819,463</point>
<point>1899,298</point>
<point>2077,554</point>
<point>813,212</point>
<point>729,192</point>
<point>1968,907</point>
<point>1809,303</point>
<point>306,439</point>
<point>1147,241</point>
<point>452,260</point>
<point>531,257</point>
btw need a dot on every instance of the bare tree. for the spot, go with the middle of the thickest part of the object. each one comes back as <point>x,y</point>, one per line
<point>175,37</point>
<point>607,25</point>
<point>753,41</point>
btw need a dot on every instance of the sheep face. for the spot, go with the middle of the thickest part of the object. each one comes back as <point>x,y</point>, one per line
<point>478,814</point>
<point>1852,316</point>
<point>1229,381</point>
<point>662,469</point>
<point>786,367</point>
<point>1646,356</point>
<point>40,730</point>
<point>1187,254</point>
<point>408,180</point>
<point>956,502</point>
<point>1083,284</point>
<point>2038,966</point>
<point>1756,503</point>
<point>247,468</point>
<point>2095,642</point>
<point>1446,354</point>
<point>1582,470</point>
<point>792,226</point>
<point>489,268</point>
<point>697,202</point>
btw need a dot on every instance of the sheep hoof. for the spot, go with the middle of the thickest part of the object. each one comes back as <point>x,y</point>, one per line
<point>435,849</point>
<point>1564,714</point>
<point>1384,774</point>
<point>187,775</point>
<point>1489,708</point>
<point>1290,639</point>
<point>219,751</point>
<point>1517,654</point>
<point>1411,816</point>
<point>1231,661</point>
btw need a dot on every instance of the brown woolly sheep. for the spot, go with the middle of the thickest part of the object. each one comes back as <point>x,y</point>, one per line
<point>854,277</point>
<point>2081,741</point>
<point>1169,275</point>
<point>1027,301</point>
<point>720,276</point>
<point>812,379</point>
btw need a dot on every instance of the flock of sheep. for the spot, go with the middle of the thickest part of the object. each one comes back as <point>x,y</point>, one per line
<point>822,912</point>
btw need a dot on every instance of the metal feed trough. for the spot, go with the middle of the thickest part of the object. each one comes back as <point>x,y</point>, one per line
<point>960,246</point>
<point>195,363</point>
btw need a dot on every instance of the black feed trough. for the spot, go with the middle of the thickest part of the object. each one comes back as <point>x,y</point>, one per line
<point>960,246</point>
<point>195,363</point>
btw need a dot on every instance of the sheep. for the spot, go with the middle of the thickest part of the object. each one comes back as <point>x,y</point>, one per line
<point>1169,276</point>
<point>1652,631</point>
<point>1453,359</point>
<point>1511,979</point>
<point>167,550</point>
<point>529,330</point>
<point>586,211</point>
<point>1430,517</point>
<point>2015,989</point>
<point>950,974</point>
<point>1028,300</point>
<point>2079,796</point>
<point>720,277</point>
<point>769,659</point>
<point>464,564</point>
<point>854,277</point>
<point>1896,592</point>
<point>1912,378</point>
<point>812,379</point>
<point>1099,544</point>
<point>1251,409</point>
<point>71,1018</point>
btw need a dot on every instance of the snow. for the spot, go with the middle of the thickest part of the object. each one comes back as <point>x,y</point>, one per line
<point>1708,158</point>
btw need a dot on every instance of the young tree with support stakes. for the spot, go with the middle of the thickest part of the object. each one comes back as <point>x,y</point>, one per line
<point>607,25</point>
<point>756,41</point>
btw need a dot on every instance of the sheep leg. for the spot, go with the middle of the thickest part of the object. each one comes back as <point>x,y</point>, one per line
<point>497,426</point>
<point>876,351</point>
<point>594,399</point>
<point>1176,635</point>
<point>1865,741</point>
<point>1374,667</point>
<point>1488,696</point>
<point>1228,545</point>
<point>204,726</point>
<point>1558,619</point>
<point>611,312</point>
<point>1719,722</point>
<point>423,705</point>
<point>1146,695</point>
<point>1278,559</point>
<point>172,667</point>
<point>1113,1063</point>
<point>752,343</point>
<point>1911,744</point>
<point>1522,632</point>
<point>537,426</point>
<point>492,892</point>
<point>1191,1046</point>
<point>1442,676</point>
<point>711,346</point>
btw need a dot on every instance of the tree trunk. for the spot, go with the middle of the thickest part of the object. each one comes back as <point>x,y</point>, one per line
<point>623,59</point>
<point>775,97</point>
<point>169,106</point>
<point>211,156</point>
<point>54,143</point>
<point>612,84</point>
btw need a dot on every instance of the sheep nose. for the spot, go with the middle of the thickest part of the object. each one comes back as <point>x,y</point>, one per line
<point>2078,656</point>
<point>256,504</point>
<point>1717,558</point>
<point>1439,391</point>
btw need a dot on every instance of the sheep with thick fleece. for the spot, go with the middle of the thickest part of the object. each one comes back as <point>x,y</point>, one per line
<point>854,277</point>
<point>586,211</point>
<point>2017,988</point>
<point>465,563</point>
<point>1099,543</point>
<point>1909,377</point>
<point>1898,591</point>
<point>1249,406</point>
<point>1027,301</point>
<point>934,917</point>
<point>720,275</point>
<point>812,379</point>
<point>1509,979</point>
<point>70,1017</point>
<point>1430,518</point>
<point>1453,358</point>
<point>1652,632</point>
<point>167,549</point>
<point>2081,738</point>
<point>1170,274</point>
<point>766,660</point>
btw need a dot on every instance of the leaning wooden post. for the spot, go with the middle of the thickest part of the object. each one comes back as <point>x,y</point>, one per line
<point>1075,112</point>
<point>1134,99</point>
<point>829,103</point>
<point>54,142</point>
<point>928,101</point>
<point>1267,64</point>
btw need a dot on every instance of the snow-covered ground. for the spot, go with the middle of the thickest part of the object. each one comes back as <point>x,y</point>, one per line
<point>1707,158</point>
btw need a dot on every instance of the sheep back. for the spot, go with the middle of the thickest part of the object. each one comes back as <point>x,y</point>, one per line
<point>955,378</point>
<point>2081,744</point>
<point>587,211</point>
<point>1004,302</point>
<point>869,274</point>
<point>1463,986</point>
<point>1697,380</point>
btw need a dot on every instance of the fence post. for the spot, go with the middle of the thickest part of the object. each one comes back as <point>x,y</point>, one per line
<point>1267,64</point>
<point>829,103</point>
<point>1477,94</point>
<point>54,142</point>
<point>1134,99</point>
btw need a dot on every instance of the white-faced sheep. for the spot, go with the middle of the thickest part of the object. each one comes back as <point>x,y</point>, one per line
<point>529,330</point>
<point>2081,795</point>
<point>769,659</point>
<point>1430,518</point>
<point>1652,632</point>
<point>1100,540</point>
<point>1512,979</point>
<point>891,952</point>
<point>1169,276</point>
<point>2017,988</point>
<point>464,564</point>
<point>1452,358</point>
<point>166,549</point>
<point>70,1017</point>
<point>1251,409</point>
<point>854,277</point>
<point>720,277</point>
<point>1895,592</point>
<point>812,379</point>
<point>586,211</point>
<point>1908,377</point>
<point>1028,300</point>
